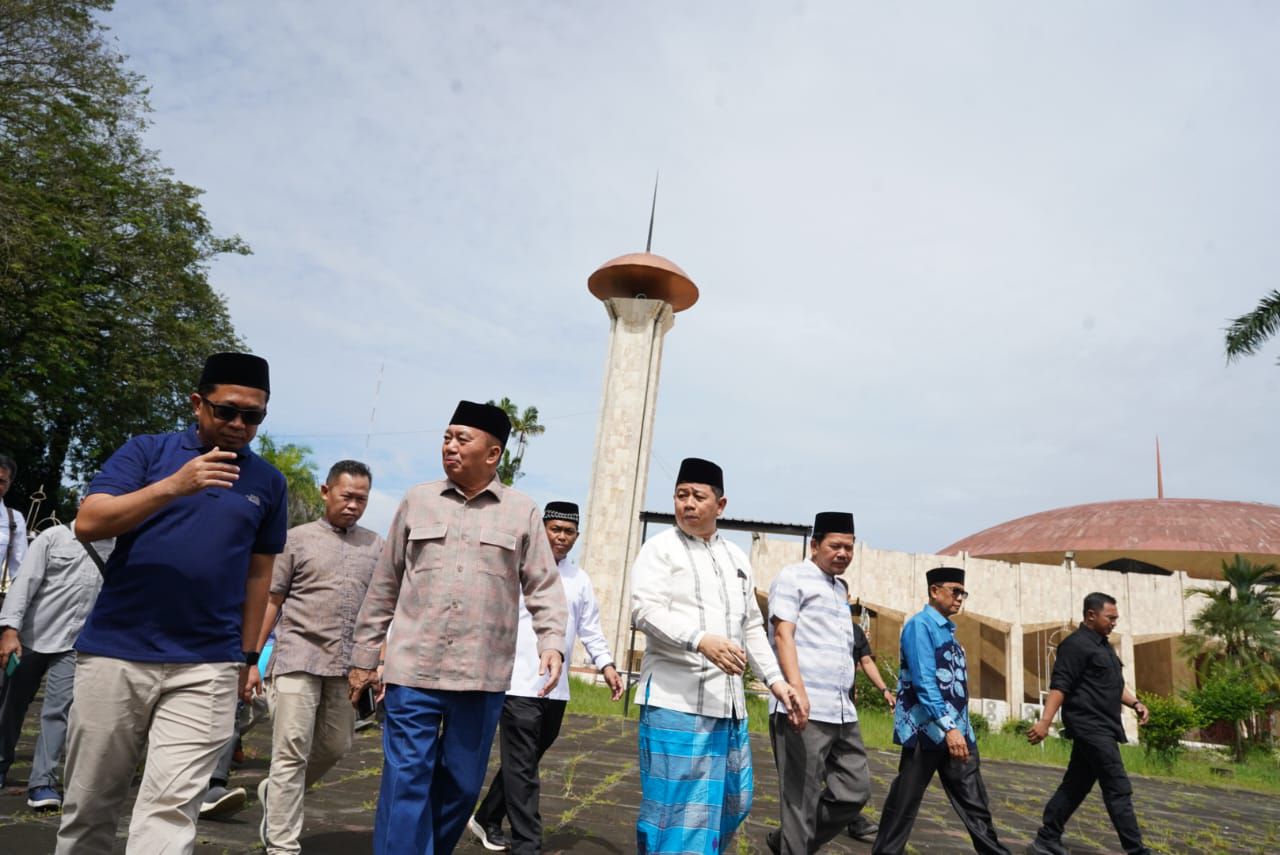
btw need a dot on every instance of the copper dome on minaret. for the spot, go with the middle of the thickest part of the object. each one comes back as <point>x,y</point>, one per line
<point>644,275</point>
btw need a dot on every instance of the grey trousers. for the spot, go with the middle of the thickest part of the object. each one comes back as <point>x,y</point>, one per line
<point>16,695</point>
<point>823,778</point>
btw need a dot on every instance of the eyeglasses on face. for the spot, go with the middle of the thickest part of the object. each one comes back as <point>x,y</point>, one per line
<point>228,413</point>
<point>957,593</point>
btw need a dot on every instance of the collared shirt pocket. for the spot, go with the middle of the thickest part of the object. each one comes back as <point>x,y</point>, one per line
<point>497,551</point>
<point>425,549</point>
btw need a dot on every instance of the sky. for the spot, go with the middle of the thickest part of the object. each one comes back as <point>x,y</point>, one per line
<point>958,263</point>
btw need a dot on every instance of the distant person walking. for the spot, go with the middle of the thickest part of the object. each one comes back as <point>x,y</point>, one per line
<point>530,723</point>
<point>1088,686</point>
<point>39,623</point>
<point>931,723</point>
<point>13,527</point>
<point>198,519</point>
<point>862,828</point>
<point>317,586</point>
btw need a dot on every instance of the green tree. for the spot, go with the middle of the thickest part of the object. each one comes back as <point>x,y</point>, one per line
<point>300,473</point>
<point>1237,629</point>
<point>1248,333</point>
<point>1170,719</point>
<point>524,425</point>
<point>106,310</point>
<point>1232,697</point>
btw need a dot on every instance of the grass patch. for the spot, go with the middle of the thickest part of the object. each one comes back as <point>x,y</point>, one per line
<point>1260,772</point>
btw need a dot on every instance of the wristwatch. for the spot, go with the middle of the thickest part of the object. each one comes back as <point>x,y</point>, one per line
<point>250,657</point>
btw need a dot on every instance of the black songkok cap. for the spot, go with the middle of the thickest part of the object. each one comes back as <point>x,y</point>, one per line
<point>486,417</point>
<point>695,470</point>
<point>942,575</point>
<point>561,511</point>
<point>832,522</point>
<point>236,369</point>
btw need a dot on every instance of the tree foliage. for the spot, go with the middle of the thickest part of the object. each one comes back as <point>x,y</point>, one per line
<point>1170,719</point>
<point>1249,332</point>
<point>300,473</point>
<point>105,304</point>
<point>1237,630</point>
<point>524,424</point>
<point>1231,697</point>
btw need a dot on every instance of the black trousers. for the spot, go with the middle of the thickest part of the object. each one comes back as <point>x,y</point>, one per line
<point>1094,758</point>
<point>528,727</point>
<point>962,781</point>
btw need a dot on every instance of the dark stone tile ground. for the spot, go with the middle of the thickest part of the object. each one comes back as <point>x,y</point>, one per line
<point>591,791</point>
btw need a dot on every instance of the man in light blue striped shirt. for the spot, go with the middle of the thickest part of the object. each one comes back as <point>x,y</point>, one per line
<point>822,768</point>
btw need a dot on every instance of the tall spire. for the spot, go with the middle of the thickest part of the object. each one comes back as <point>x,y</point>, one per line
<point>1159,471</point>
<point>653,209</point>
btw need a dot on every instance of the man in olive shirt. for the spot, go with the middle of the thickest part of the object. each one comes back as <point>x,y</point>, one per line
<point>1088,685</point>
<point>459,553</point>
<point>317,586</point>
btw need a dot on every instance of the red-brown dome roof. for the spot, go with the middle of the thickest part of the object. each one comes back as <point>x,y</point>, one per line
<point>1195,535</point>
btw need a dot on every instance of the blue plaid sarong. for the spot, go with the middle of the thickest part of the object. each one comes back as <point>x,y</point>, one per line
<point>695,777</point>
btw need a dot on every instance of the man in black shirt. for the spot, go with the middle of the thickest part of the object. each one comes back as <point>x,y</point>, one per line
<point>862,828</point>
<point>1088,685</point>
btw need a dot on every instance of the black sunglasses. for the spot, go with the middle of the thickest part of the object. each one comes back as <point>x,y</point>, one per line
<point>228,413</point>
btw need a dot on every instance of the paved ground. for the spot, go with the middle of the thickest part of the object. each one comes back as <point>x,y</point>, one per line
<point>591,792</point>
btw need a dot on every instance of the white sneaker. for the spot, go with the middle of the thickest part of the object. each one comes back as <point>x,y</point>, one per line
<point>219,802</point>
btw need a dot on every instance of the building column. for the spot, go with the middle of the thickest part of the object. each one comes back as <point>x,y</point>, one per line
<point>1013,677</point>
<point>1127,717</point>
<point>620,467</point>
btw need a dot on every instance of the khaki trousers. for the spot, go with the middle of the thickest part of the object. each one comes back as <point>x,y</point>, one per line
<point>313,724</point>
<point>184,715</point>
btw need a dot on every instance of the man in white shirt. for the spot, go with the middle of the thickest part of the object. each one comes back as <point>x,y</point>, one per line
<point>822,770</point>
<point>530,723</point>
<point>39,623</point>
<point>693,597</point>
<point>13,525</point>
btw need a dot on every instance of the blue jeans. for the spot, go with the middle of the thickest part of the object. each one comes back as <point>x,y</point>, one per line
<point>436,749</point>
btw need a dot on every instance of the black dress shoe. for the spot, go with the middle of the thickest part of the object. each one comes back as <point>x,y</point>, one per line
<point>863,829</point>
<point>491,838</point>
<point>1040,846</point>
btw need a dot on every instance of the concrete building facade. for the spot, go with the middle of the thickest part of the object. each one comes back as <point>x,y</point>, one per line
<point>1015,616</point>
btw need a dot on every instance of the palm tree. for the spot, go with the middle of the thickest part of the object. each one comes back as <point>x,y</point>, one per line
<point>299,470</point>
<point>1237,629</point>
<point>524,425</point>
<point>1248,333</point>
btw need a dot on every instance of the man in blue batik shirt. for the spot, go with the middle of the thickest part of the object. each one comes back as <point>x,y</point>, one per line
<point>931,723</point>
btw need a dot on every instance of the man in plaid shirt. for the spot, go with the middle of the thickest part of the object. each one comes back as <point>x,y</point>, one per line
<point>459,553</point>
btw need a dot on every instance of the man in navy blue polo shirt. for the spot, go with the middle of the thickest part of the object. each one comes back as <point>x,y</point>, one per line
<point>198,519</point>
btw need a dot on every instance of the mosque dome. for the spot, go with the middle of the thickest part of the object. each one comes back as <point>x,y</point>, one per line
<point>645,275</point>
<point>1136,535</point>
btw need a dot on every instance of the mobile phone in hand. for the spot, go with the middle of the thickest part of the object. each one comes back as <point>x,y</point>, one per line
<point>14,662</point>
<point>366,704</point>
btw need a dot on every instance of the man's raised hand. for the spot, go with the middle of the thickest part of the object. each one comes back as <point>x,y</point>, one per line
<point>211,469</point>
